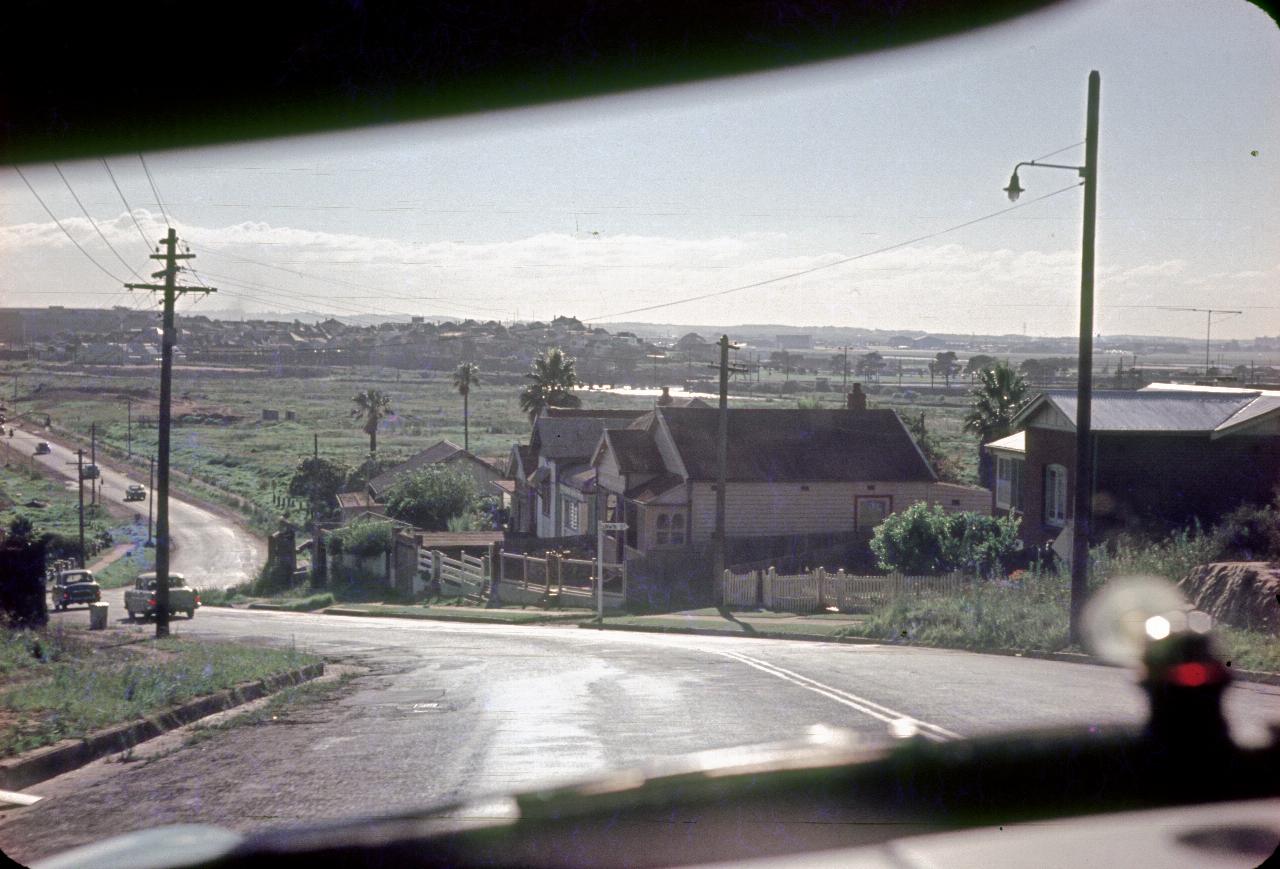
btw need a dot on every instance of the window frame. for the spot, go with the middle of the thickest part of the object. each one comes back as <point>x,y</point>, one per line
<point>1055,495</point>
<point>1009,478</point>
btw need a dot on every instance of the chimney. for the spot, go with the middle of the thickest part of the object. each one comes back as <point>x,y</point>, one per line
<point>856,400</point>
<point>665,398</point>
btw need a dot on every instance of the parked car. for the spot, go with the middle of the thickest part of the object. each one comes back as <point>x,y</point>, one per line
<point>135,492</point>
<point>74,586</point>
<point>140,601</point>
<point>42,449</point>
<point>89,472</point>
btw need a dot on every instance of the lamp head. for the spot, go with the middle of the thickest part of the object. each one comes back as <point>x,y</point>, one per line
<point>1014,189</point>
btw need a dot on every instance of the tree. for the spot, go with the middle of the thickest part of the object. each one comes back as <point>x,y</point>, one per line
<point>466,376</point>
<point>944,363</point>
<point>942,463</point>
<point>319,481</point>
<point>925,539</point>
<point>996,397</point>
<point>977,362</point>
<point>429,497</point>
<point>373,406</point>
<point>552,381</point>
<point>870,365</point>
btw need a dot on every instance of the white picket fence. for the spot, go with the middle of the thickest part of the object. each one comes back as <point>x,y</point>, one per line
<point>819,590</point>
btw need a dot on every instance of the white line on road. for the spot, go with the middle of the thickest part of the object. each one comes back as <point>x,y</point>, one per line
<point>853,701</point>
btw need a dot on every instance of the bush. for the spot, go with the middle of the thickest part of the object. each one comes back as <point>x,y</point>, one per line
<point>361,538</point>
<point>1249,533</point>
<point>429,497</point>
<point>925,539</point>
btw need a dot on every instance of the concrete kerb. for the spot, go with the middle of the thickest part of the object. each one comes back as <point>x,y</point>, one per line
<point>1064,657</point>
<point>54,760</point>
<point>438,617</point>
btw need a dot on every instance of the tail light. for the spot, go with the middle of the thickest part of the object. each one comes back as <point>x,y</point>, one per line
<point>66,595</point>
<point>197,600</point>
<point>151,602</point>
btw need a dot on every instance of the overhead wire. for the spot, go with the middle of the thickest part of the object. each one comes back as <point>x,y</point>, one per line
<point>142,235</point>
<point>94,223</point>
<point>54,218</point>
<point>152,182</point>
<point>833,264</point>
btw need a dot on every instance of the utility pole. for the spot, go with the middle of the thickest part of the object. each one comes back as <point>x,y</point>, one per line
<point>151,499</point>
<point>128,436</point>
<point>1208,327</point>
<point>844,377</point>
<point>316,578</point>
<point>79,463</point>
<point>721,550</point>
<point>1083,507</point>
<point>93,459</point>
<point>171,291</point>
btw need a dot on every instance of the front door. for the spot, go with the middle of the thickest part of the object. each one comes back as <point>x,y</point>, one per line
<point>871,510</point>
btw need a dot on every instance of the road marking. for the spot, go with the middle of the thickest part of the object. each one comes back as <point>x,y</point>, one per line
<point>853,701</point>
<point>18,799</point>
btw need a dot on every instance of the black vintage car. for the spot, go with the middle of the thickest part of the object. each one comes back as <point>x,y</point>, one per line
<point>74,587</point>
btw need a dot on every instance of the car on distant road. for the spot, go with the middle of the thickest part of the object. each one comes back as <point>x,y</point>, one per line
<point>42,449</point>
<point>140,601</point>
<point>74,586</point>
<point>89,472</point>
<point>135,492</point>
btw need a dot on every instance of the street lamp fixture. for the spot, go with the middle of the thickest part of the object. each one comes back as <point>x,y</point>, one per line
<point>1082,517</point>
<point>1015,189</point>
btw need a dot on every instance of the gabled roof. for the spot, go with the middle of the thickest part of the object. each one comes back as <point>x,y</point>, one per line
<point>777,445</point>
<point>655,488</point>
<point>1192,411</point>
<point>558,435</point>
<point>444,451</point>
<point>634,451</point>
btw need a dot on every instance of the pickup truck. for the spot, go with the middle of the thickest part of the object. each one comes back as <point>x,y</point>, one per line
<point>74,586</point>
<point>140,601</point>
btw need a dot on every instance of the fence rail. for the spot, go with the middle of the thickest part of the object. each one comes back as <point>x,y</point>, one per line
<point>524,579</point>
<point>819,590</point>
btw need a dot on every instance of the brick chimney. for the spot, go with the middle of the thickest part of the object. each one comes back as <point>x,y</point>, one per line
<point>856,400</point>
<point>665,398</point>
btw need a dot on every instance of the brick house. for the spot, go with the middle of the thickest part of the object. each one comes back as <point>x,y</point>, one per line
<point>1165,456</point>
<point>791,473</point>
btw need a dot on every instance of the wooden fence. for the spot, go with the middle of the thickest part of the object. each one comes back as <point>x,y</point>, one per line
<point>818,590</point>
<point>510,577</point>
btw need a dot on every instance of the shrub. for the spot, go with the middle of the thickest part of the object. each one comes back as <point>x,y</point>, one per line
<point>429,497</point>
<point>925,539</point>
<point>361,538</point>
<point>1249,533</point>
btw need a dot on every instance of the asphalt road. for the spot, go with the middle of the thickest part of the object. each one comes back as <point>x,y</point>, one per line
<point>209,550</point>
<point>450,711</point>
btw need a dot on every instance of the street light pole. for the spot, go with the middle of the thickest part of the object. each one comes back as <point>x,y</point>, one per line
<point>1083,511</point>
<point>1082,508</point>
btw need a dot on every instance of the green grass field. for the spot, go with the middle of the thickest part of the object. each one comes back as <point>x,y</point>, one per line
<point>221,438</point>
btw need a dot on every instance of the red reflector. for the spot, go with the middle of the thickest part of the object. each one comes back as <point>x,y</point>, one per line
<point>151,602</point>
<point>1193,675</point>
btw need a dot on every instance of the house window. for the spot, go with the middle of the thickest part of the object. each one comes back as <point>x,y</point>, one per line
<point>1055,495</point>
<point>572,516</point>
<point>1009,483</point>
<point>670,529</point>
<point>870,511</point>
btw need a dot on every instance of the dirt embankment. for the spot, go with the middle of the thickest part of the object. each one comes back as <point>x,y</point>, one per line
<point>1243,594</point>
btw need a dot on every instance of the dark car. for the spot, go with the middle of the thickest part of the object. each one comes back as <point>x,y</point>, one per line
<point>42,449</point>
<point>135,492</point>
<point>74,587</point>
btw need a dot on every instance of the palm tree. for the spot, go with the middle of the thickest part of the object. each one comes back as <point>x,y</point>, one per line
<point>466,376</point>
<point>999,392</point>
<point>373,405</point>
<point>553,379</point>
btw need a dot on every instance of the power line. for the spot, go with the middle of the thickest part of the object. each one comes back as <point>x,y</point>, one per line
<point>829,265</point>
<point>142,235</point>
<point>152,182</point>
<point>53,217</point>
<point>94,223</point>
<point>1059,151</point>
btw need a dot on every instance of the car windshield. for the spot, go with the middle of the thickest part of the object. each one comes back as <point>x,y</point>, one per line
<point>445,416</point>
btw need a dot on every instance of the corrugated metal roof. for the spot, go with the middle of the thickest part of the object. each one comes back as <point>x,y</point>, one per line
<point>1156,411</point>
<point>1261,406</point>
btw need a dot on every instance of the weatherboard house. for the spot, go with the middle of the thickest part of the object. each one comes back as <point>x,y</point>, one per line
<point>790,472</point>
<point>1166,455</point>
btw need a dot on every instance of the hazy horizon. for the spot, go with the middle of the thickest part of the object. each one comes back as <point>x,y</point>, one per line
<point>601,208</point>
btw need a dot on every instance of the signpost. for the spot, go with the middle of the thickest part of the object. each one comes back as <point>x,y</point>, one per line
<point>602,527</point>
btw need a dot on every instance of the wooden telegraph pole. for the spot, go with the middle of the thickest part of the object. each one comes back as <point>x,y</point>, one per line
<point>79,463</point>
<point>720,554</point>
<point>171,291</point>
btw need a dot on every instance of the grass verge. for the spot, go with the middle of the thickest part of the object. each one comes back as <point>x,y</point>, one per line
<point>58,684</point>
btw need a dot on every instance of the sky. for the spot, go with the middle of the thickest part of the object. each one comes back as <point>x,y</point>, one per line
<point>600,208</point>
